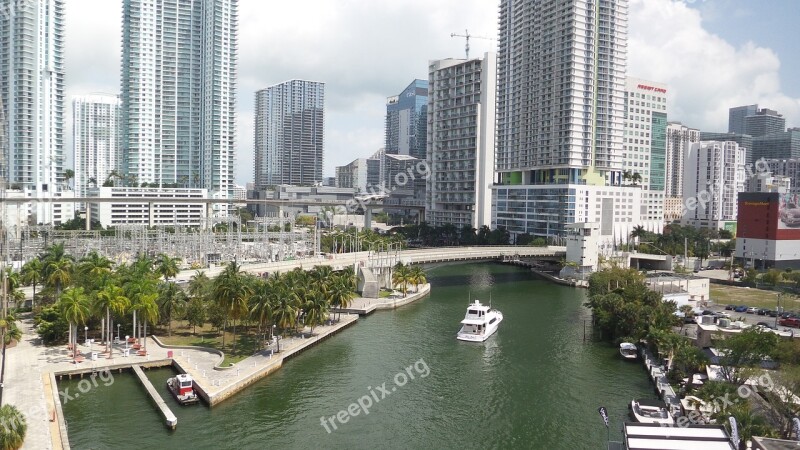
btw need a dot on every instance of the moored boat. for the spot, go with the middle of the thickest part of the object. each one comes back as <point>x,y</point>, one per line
<point>650,411</point>
<point>628,350</point>
<point>182,388</point>
<point>479,323</point>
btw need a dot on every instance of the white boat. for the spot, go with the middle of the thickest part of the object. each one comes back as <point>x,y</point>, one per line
<point>651,411</point>
<point>628,350</point>
<point>480,322</point>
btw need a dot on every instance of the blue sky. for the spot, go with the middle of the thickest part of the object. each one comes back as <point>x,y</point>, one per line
<point>768,23</point>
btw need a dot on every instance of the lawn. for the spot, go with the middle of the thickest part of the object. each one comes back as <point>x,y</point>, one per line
<point>182,334</point>
<point>732,295</point>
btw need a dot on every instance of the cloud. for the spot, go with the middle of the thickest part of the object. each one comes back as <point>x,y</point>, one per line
<point>706,74</point>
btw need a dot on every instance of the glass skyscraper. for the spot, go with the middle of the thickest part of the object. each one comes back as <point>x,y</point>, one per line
<point>407,121</point>
<point>289,135</point>
<point>736,118</point>
<point>179,92</point>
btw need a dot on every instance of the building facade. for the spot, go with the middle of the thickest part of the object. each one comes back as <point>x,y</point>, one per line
<point>736,118</point>
<point>95,140</point>
<point>559,150</point>
<point>768,235</point>
<point>745,141</point>
<point>645,145</point>
<point>679,139</point>
<point>714,175</point>
<point>130,211</point>
<point>461,140</point>
<point>788,168</point>
<point>407,121</point>
<point>289,135</point>
<point>179,62</point>
<point>763,122</point>
<point>781,145</point>
<point>32,103</point>
<point>363,174</point>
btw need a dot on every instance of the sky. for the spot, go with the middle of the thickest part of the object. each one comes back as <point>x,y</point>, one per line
<point>713,54</point>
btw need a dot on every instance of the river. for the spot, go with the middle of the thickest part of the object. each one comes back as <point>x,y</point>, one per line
<point>535,384</point>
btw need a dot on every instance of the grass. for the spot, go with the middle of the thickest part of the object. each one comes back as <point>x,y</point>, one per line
<point>384,294</point>
<point>182,334</point>
<point>732,295</point>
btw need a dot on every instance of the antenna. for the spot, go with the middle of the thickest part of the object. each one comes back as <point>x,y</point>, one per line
<point>466,35</point>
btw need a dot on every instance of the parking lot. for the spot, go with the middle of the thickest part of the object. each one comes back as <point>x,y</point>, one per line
<point>748,318</point>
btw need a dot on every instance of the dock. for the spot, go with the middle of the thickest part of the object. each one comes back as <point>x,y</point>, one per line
<point>170,418</point>
<point>658,375</point>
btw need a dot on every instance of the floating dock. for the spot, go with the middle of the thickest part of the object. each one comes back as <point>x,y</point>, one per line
<point>170,418</point>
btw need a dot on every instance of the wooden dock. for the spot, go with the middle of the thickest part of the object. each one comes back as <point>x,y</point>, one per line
<point>170,418</point>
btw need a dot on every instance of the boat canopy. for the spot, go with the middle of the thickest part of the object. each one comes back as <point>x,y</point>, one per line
<point>473,321</point>
<point>651,403</point>
<point>627,346</point>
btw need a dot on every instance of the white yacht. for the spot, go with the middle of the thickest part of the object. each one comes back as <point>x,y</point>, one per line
<point>651,411</point>
<point>480,322</point>
<point>628,350</point>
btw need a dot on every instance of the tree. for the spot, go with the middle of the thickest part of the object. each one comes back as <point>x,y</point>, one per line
<point>148,308</point>
<point>262,308</point>
<point>340,293</point>
<point>232,294</point>
<point>172,303</point>
<point>315,309</point>
<point>58,268</point>
<point>166,266</point>
<point>638,232</point>
<point>199,285</point>
<point>401,275</point>
<point>74,307</point>
<point>32,275</point>
<point>417,277</point>
<point>196,313</point>
<point>636,178</point>
<point>742,352</point>
<point>13,429</point>
<point>68,175</point>
<point>110,299</point>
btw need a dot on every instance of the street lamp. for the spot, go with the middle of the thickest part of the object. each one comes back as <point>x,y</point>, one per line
<point>86,335</point>
<point>117,332</point>
<point>277,339</point>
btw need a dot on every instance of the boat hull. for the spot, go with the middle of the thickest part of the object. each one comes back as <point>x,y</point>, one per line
<point>471,337</point>
<point>182,399</point>
<point>667,420</point>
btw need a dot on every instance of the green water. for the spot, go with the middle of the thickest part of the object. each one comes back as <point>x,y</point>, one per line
<point>535,384</point>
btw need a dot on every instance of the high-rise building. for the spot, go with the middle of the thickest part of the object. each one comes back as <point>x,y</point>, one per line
<point>289,135</point>
<point>763,122</point>
<point>645,146</point>
<point>32,94</point>
<point>461,137</point>
<point>714,175</point>
<point>679,139</point>
<point>788,168</point>
<point>744,140</point>
<point>736,118</point>
<point>780,145</point>
<point>407,121</point>
<point>363,174</point>
<point>179,92</point>
<point>95,139</point>
<point>560,118</point>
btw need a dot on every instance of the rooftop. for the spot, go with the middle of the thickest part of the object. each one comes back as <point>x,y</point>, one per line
<point>693,437</point>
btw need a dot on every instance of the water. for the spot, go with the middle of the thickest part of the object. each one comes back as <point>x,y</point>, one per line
<point>535,384</point>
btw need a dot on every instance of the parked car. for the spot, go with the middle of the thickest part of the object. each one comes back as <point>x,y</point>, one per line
<point>773,313</point>
<point>766,325</point>
<point>762,312</point>
<point>790,322</point>
<point>788,314</point>
<point>730,307</point>
<point>709,312</point>
<point>752,310</point>
<point>740,308</point>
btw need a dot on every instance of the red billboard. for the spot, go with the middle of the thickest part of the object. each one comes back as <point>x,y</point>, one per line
<point>769,216</point>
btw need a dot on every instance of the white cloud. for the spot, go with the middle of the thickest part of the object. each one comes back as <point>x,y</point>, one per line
<point>367,50</point>
<point>706,74</point>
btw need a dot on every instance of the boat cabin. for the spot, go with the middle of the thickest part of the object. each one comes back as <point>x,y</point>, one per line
<point>185,384</point>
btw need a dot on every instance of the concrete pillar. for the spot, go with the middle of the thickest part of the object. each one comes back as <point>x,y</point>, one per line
<point>367,218</point>
<point>88,216</point>
<point>151,215</point>
<point>209,215</point>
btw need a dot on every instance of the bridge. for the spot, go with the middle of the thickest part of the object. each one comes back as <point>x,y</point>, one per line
<point>416,256</point>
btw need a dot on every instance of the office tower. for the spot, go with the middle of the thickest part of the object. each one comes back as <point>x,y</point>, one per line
<point>95,139</point>
<point>407,121</point>
<point>289,135</point>
<point>744,140</point>
<point>363,174</point>
<point>679,140</point>
<point>763,122</point>
<point>736,118</point>
<point>32,91</point>
<point>560,118</point>
<point>714,175</point>
<point>780,145</point>
<point>179,93</point>
<point>645,146</point>
<point>461,138</point>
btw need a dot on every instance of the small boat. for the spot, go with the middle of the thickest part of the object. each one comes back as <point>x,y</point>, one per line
<point>651,411</point>
<point>628,350</point>
<point>479,323</point>
<point>182,388</point>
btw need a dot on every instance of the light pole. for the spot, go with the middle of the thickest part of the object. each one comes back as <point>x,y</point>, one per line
<point>117,332</point>
<point>277,338</point>
<point>86,335</point>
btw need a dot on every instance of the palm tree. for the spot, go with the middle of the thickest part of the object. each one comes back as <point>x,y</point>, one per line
<point>340,293</point>
<point>74,307</point>
<point>401,275</point>
<point>262,308</point>
<point>285,313</point>
<point>638,232</point>
<point>68,175</point>
<point>60,275</point>
<point>110,299</point>
<point>32,275</point>
<point>12,433</point>
<point>417,277</point>
<point>315,309</point>
<point>636,178</point>
<point>198,285</point>
<point>231,293</point>
<point>95,268</point>
<point>172,302</point>
<point>148,308</point>
<point>167,267</point>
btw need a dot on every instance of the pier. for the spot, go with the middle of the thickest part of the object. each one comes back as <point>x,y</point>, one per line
<point>170,418</point>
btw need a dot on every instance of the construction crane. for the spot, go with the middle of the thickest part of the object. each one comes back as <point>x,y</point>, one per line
<point>466,35</point>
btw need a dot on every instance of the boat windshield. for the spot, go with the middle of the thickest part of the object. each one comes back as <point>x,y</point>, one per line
<point>185,384</point>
